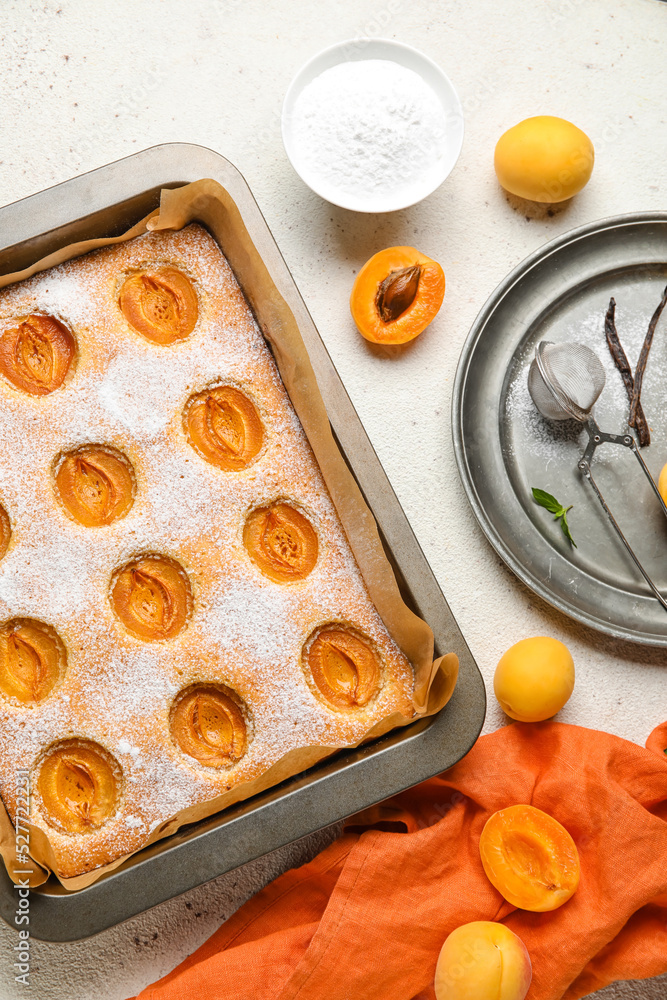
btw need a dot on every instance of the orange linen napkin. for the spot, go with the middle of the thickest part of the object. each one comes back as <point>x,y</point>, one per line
<point>366,919</point>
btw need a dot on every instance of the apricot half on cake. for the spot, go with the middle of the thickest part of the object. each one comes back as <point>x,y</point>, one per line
<point>343,665</point>
<point>152,597</point>
<point>281,542</point>
<point>32,660</point>
<point>396,294</point>
<point>79,785</point>
<point>36,353</point>
<point>207,723</point>
<point>161,304</point>
<point>5,531</point>
<point>530,858</point>
<point>96,485</point>
<point>224,427</point>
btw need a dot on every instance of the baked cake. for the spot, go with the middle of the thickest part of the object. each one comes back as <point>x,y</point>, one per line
<point>179,605</point>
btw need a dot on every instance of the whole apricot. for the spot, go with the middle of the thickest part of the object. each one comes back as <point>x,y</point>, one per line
<point>544,159</point>
<point>534,679</point>
<point>483,960</point>
<point>662,483</point>
<point>530,858</point>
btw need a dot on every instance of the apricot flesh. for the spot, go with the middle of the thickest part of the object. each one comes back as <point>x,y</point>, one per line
<point>530,858</point>
<point>483,960</point>
<point>534,679</point>
<point>396,294</point>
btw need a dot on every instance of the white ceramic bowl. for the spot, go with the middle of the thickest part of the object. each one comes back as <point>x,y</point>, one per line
<point>412,59</point>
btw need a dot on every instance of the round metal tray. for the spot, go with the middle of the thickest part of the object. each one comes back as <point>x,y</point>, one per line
<point>504,447</point>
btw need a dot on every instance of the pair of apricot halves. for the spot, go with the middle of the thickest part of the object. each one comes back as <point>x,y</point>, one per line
<point>396,295</point>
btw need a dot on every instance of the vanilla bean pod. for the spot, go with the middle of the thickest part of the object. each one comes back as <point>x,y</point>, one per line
<point>643,358</point>
<point>623,365</point>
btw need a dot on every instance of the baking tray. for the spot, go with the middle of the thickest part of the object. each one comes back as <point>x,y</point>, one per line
<point>504,447</point>
<point>106,202</point>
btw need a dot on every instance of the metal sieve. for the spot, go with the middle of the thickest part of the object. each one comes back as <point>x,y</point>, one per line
<point>565,381</point>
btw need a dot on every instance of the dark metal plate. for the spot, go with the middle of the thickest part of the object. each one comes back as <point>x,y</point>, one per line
<point>504,447</point>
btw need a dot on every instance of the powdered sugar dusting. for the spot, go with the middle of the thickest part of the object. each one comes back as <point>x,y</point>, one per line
<point>245,631</point>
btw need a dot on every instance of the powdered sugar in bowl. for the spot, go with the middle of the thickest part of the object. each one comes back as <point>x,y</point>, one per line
<point>372,126</point>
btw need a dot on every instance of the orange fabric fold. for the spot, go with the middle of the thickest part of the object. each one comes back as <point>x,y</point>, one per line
<point>367,917</point>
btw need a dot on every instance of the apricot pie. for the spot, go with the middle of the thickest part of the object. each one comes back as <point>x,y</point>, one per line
<point>179,605</point>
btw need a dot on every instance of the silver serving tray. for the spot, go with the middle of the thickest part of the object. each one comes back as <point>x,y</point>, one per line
<point>106,202</point>
<point>504,447</point>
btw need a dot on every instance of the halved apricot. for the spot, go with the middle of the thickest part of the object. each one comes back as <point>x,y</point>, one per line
<point>5,531</point>
<point>281,542</point>
<point>397,293</point>
<point>161,304</point>
<point>207,724</point>
<point>36,353</point>
<point>224,427</point>
<point>344,666</point>
<point>530,858</point>
<point>152,597</point>
<point>79,785</point>
<point>32,659</point>
<point>96,484</point>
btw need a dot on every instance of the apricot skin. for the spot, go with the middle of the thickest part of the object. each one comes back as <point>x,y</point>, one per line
<point>483,960</point>
<point>534,679</point>
<point>530,858</point>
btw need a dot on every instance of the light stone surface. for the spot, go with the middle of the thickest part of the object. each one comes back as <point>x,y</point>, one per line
<point>83,84</point>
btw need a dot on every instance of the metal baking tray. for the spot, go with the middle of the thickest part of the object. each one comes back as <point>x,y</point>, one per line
<point>106,202</point>
<point>504,447</point>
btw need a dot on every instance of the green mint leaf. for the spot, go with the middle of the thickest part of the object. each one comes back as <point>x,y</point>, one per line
<point>566,528</point>
<point>545,499</point>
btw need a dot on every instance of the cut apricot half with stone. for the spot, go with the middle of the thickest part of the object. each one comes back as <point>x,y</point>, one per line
<point>36,353</point>
<point>208,724</point>
<point>152,597</point>
<point>224,427</point>
<point>343,665</point>
<point>79,785</point>
<point>5,531</point>
<point>161,304</point>
<point>32,660</point>
<point>396,294</point>
<point>530,858</point>
<point>96,485</point>
<point>281,542</point>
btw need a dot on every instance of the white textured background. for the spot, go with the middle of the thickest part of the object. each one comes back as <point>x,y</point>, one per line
<point>84,83</point>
